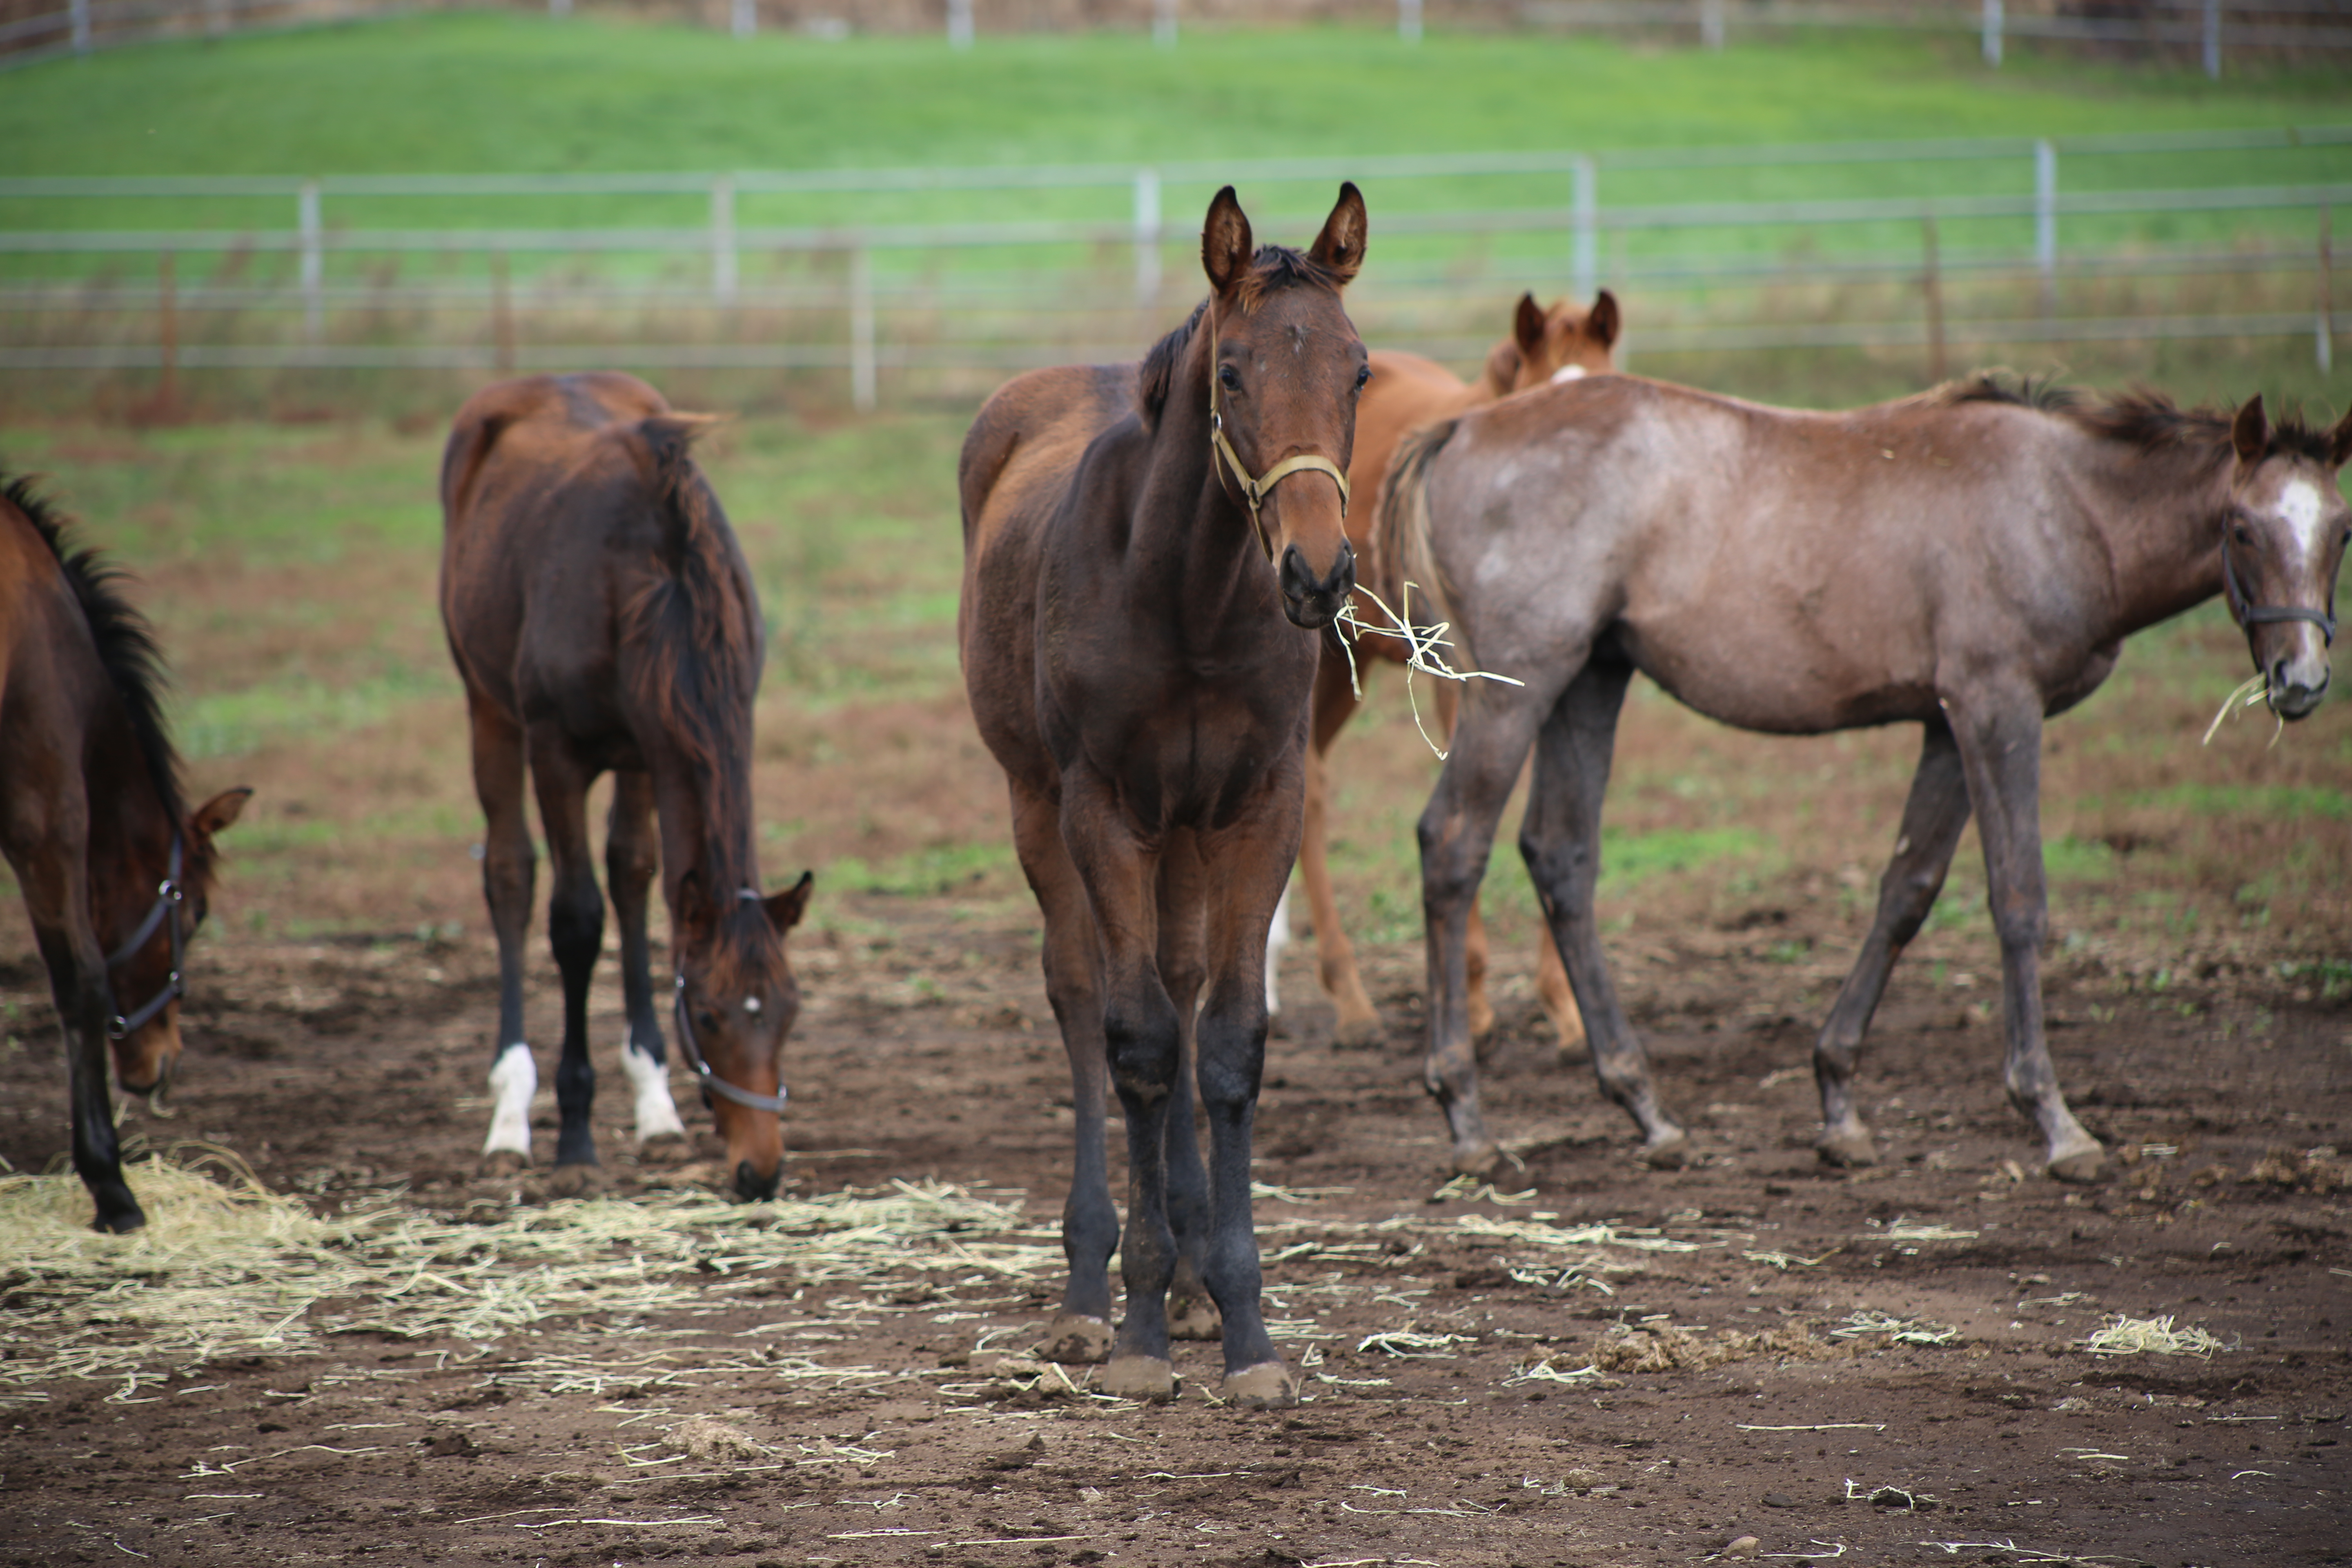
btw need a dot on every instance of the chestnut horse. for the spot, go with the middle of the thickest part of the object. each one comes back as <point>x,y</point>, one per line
<point>603,617</point>
<point>1969,560</point>
<point>1406,390</point>
<point>116,872</point>
<point>1150,556</point>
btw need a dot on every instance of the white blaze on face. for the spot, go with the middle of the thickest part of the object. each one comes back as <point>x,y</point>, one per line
<point>1568,373</point>
<point>514,1079</point>
<point>2299,503</point>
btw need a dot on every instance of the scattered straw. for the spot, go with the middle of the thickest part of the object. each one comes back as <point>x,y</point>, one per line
<point>2254,692</point>
<point>1422,654</point>
<point>1662,1347</point>
<point>1902,1330</point>
<point>2153,1336</point>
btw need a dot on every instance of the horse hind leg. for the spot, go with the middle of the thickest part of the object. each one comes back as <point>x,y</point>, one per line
<point>1561,842</point>
<point>1933,817</point>
<point>508,867</point>
<point>575,931</point>
<point>1359,1022</point>
<point>631,859</point>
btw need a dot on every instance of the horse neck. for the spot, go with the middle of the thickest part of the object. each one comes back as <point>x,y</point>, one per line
<point>131,831</point>
<point>2156,508</point>
<point>1191,544</point>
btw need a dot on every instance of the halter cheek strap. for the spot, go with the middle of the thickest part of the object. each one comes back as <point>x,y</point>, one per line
<point>1255,486</point>
<point>169,895</point>
<point>2252,615</point>
<point>711,1082</point>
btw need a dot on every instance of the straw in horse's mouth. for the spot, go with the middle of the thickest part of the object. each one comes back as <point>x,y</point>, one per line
<point>2255,691</point>
<point>1421,652</point>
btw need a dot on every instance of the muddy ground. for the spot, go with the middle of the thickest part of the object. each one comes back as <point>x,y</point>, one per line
<point>1597,1402</point>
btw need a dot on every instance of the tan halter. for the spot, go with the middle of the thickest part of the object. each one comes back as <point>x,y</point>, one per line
<point>1254,487</point>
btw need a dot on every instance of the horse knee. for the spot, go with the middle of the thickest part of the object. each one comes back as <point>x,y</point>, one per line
<point>575,925</point>
<point>1143,1050</point>
<point>1560,870</point>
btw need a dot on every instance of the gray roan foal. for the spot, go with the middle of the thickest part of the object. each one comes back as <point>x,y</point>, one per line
<point>1969,560</point>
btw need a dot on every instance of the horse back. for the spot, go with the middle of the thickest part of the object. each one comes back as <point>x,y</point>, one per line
<point>564,499</point>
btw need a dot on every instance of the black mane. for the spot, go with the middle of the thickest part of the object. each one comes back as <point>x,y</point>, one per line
<point>2141,418</point>
<point>126,642</point>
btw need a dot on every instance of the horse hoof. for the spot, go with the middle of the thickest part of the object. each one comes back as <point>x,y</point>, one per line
<point>1194,1317</point>
<point>2084,1165</point>
<point>1845,1149</point>
<point>578,1181</point>
<point>1478,1161</point>
<point>1357,1035</point>
<point>1076,1340</point>
<point>1669,1151</point>
<point>1140,1377</point>
<point>119,1221</point>
<point>505,1162</point>
<point>1266,1387</point>
<point>663,1147</point>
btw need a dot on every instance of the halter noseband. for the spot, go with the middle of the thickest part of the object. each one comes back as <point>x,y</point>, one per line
<point>169,895</point>
<point>711,1082</point>
<point>2252,615</point>
<point>1256,487</point>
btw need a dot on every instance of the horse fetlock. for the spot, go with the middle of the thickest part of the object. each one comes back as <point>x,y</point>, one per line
<point>1075,1338</point>
<point>656,1110</point>
<point>1478,1157</point>
<point>1145,1377</point>
<point>1268,1385</point>
<point>1667,1148</point>
<point>578,1179</point>
<point>514,1080</point>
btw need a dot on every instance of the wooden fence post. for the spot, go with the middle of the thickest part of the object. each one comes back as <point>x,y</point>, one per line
<point>1584,256</point>
<point>1163,24</point>
<point>1408,20</point>
<point>861,329</point>
<point>1993,21</point>
<point>314,271</point>
<point>2045,222</point>
<point>80,13</point>
<point>723,241</point>
<point>1147,237</point>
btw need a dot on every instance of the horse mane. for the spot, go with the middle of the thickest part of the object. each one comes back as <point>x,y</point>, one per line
<point>125,639</point>
<point>2142,418</point>
<point>1401,552</point>
<point>1271,268</point>
<point>700,669</point>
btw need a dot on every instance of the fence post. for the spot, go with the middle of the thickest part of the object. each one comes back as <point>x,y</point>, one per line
<point>167,307</point>
<point>861,329</point>
<point>2045,222</point>
<point>1933,286</point>
<point>723,241</point>
<point>503,328</point>
<point>2213,40</point>
<point>2324,348</point>
<point>1146,237</point>
<point>216,18</point>
<point>1408,20</point>
<point>1584,256</point>
<point>1163,23</point>
<point>744,18</point>
<point>959,23</point>
<point>314,267</point>
<point>1710,24</point>
<point>80,10</point>
<point>1993,20</point>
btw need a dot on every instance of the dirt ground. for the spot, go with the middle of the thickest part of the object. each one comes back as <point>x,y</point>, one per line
<point>1589,1363</point>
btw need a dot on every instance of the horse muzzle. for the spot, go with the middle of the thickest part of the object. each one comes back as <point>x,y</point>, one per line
<point>751,1187</point>
<point>1314,602</point>
<point>2296,693</point>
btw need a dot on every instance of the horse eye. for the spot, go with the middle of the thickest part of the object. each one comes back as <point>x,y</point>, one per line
<point>1363,374</point>
<point>708,1019</point>
<point>1227,379</point>
<point>2241,534</point>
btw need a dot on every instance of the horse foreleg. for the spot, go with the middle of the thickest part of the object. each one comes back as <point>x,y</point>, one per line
<point>1335,703</point>
<point>1081,1329</point>
<point>1933,817</point>
<point>2001,748</point>
<point>575,931</point>
<point>1183,957</point>
<point>1231,1052</point>
<point>631,856</point>
<point>1456,832</point>
<point>1561,842</point>
<point>1559,1000</point>
<point>508,866</point>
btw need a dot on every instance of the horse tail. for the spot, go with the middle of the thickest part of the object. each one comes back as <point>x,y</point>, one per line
<point>681,499</point>
<point>1402,554</point>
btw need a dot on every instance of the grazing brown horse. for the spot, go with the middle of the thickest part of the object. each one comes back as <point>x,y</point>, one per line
<point>1150,558</point>
<point>116,872</point>
<point>1406,390</point>
<point>1969,560</point>
<point>603,617</point>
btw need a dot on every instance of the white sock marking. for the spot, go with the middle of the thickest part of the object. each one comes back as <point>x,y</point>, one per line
<point>656,1112</point>
<point>1278,937</point>
<point>514,1079</point>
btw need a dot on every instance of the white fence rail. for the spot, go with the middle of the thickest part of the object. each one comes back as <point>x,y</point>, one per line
<point>862,283</point>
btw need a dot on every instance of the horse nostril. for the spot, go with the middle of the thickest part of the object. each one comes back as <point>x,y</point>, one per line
<point>752,1187</point>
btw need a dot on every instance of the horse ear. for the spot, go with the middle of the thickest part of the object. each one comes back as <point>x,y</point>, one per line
<point>1339,248</point>
<point>1225,243</point>
<point>1602,323</point>
<point>2250,432</point>
<point>785,908</point>
<point>2340,441</point>
<point>217,813</point>
<point>1528,326</point>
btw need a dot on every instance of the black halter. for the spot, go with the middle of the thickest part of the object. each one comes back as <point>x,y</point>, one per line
<point>711,1082</point>
<point>2252,615</point>
<point>169,896</point>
